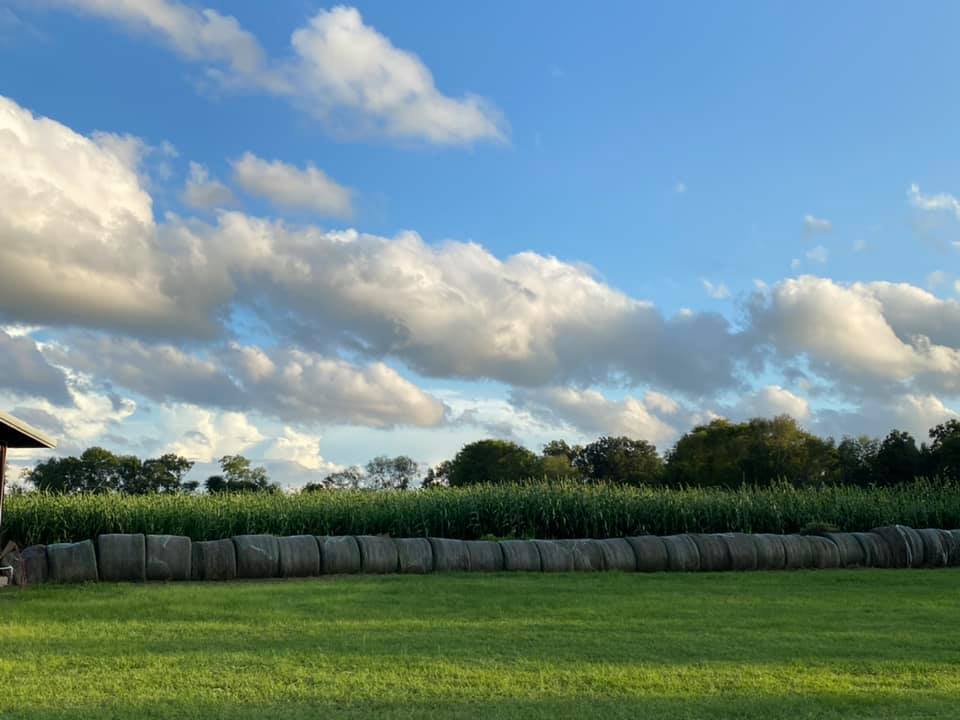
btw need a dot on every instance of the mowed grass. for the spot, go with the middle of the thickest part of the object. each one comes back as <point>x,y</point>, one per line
<point>828,644</point>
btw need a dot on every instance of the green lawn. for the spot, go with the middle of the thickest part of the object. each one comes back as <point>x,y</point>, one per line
<point>829,644</point>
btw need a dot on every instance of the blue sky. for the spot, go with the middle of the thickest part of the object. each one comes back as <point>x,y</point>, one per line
<point>777,182</point>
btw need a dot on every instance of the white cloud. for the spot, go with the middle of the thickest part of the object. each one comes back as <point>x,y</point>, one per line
<point>298,448</point>
<point>819,254</point>
<point>813,225</point>
<point>25,372</point>
<point>205,435</point>
<point>956,287</point>
<point>942,202</point>
<point>718,292</point>
<point>289,186</point>
<point>860,245</point>
<point>203,192</point>
<point>771,401</point>
<point>795,264</point>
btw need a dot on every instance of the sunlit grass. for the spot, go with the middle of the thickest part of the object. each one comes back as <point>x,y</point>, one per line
<point>829,644</point>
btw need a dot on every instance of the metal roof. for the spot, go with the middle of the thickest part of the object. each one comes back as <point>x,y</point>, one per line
<point>17,434</point>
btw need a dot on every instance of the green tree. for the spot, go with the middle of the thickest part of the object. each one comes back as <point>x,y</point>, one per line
<point>438,476</point>
<point>238,475</point>
<point>898,460</point>
<point>350,478</point>
<point>493,462</point>
<point>944,450</point>
<point>620,460</point>
<point>558,460</point>
<point>856,460</point>
<point>386,473</point>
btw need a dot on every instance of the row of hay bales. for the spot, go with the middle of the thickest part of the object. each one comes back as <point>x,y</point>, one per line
<point>136,557</point>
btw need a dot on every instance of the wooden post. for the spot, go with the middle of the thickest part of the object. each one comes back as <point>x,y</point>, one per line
<point>3,479</point>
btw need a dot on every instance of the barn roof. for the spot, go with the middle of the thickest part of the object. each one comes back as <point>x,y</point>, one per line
<point>17,434</point>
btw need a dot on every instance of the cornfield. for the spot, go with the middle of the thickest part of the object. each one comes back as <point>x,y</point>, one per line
<point>563,510</point>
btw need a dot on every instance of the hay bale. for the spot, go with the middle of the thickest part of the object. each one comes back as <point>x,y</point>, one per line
<point>714,556</point>
<point>122,557</point>
<point>742,549</point>
<point>587,554</point>
<point>299,556</point>
<point>258,556</point>
<point>213,560</point>
<point>72,562</point>
<point>485,555</point>
<point>906,546</point>
<point>414,555</point>
<point>771,554</point>
<point>851,551</point>
<point>876,552</point>
<point>169,557</point>
<point>450,555</point>
<point>520,555</point>
<point>618,555</point>
<point>954,558</point>
<point>798,553</point>
<point>378,554</point>
<point>33,565</point>
<point>826,554</point>
<point>682,553</point>
<point>938,547</point>
<point>339,554</point>
<point>651,553</point>
<point>554,557</point>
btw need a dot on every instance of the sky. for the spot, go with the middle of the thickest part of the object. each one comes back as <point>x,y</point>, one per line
<point>313,234</point>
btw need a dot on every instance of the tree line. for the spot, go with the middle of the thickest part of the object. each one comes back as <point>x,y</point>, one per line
<point>720,453</point>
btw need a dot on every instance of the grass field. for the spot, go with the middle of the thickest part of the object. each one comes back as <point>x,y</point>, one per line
<point>828,644</point>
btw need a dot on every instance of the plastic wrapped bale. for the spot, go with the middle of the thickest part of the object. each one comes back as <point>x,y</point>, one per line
<point>851,551</point>
<point>449,555</point>
<point>714,556</point>
<point>378,554</point>
<point>169,557</point>
<point>339,554</point>
<point>876,552</point>
<point>826,554</point>
<point>742,549</point>
<point>554,557</point>
<point>937,547</point>
<point>797,551</point>
<point>33,565</point>
<point>485,555</point>
<point>258,556</point>
<point>682,553</point>
<point>299,556</point>
<point>771,554</point>
<point>587,554</point>
<point>122,557</point>
<point>520,555</point>
<point>72,562</point>
<point>650,552</point>
<point>213,560</point>
<point>618,555</point>
<point>954,558</point>
<point>415,555</point>
<point>906,547</point>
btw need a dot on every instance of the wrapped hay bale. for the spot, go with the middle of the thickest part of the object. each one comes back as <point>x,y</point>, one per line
<point>954,558</point>
<point>850,549</point>
<point>122,557</point>
<point>618,555</point>
<point>798,552</point>
<point>414,555</point>
<point>938,547</point>
<point>213,560</point>
<point>682,553</point>
<point>33,565</point>
<point>587,554</point>
<point>258,556</point>
<point>650,552</point>
<point>378,554</point>
<point>554,557</point>
<point>485,555</point>
<point>450,555</point>
<point>771,554</point>
<point>826,554</point>
<point>169,557</point>
<point>520,556</point>
<point>299,556</point>
<point>742,549</point>
<point>72,562</point>
<point>906,547</point>
<point>876,552</point>
<point>714,556</point>
<point>339,554</point>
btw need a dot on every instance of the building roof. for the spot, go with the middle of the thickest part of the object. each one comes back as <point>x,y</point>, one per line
<point>17,434</point>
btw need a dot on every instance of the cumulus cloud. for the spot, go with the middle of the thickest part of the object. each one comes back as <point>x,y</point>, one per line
<point>289,186</point>
<point>25,372</point>
<point>298,448</point>
<point>771,401</point>
<point>208,435</point>
<point>819,254</point>
<point>813,225</point>
<point>718,291</point>
<point>203,192</point>
<point>915,413</point>
<point>342,70</point>
<point>941,202</point>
